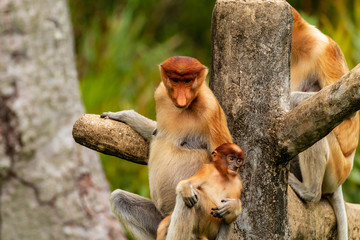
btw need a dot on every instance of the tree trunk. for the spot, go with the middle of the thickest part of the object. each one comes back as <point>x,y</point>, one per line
<point>50,187</point>
<point>251,64</point>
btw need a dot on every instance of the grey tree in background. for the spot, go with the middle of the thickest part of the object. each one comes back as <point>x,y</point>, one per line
<point>50,187</point>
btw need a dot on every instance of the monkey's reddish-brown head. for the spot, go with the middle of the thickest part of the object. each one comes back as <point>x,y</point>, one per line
<point>228,158</point>
<point>182,77</point>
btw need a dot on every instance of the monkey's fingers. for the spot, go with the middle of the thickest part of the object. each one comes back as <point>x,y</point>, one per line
<point>215,214</point>
<point>223,212</point>
<point>104,114</point>
<point>189,204</point>
<point>122,116</point>
<point>112,115</point>
<point>190,201</point>
<point>220,213</point>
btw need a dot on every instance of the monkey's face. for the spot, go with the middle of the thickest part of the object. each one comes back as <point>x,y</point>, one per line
<point>182,77</point>
<point>234,163</point>
<point>229,157</point>
<point>182,90</point>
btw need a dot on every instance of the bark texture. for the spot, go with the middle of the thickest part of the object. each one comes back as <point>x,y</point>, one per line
<point>111,137</point>
<point>50,187</point>
<point>251,65</point>
<point>318,115</point>
<point>317,220</point>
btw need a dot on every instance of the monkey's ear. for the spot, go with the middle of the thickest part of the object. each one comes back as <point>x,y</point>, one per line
<point>241,163</point>
<point>203,73</point>
<point>163,75</point>
<point>160,67</point>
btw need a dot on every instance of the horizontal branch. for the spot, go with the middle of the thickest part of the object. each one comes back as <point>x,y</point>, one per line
<point>318,115</point>
<point>309,220</point>
<point>317,220</point>
<point>111,137</point>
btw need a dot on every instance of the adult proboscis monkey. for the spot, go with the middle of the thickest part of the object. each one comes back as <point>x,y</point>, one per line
<point>190,125</point>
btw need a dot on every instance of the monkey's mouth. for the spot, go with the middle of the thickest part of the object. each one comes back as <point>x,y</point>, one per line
<point>181,107</point>
<point>233,170</point>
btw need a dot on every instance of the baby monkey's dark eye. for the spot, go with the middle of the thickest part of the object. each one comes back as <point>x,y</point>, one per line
<point>188,80</point>
<point>175,80</point>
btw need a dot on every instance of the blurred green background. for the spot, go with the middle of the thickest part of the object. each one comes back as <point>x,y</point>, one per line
<point>120,43</point>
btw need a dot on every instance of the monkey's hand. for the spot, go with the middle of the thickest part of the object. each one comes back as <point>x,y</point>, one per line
<point>144,126</point>
<point>188,193</point>
<point>229,210</point>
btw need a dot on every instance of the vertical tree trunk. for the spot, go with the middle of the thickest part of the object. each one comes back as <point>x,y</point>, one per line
<point>50,187</point>
<point>251,77</point>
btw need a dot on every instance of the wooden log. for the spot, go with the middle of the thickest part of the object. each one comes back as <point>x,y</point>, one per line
<point>111,137</point>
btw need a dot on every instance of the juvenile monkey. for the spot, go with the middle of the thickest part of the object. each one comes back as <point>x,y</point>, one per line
<point>208,202</point>
<point>316,62</point>
<point>190,125</point>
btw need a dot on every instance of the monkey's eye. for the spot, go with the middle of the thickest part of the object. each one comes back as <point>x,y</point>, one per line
<point>188,80</point>
<point>175,80</point>
<point>231,158</point>
<point>239,160</point>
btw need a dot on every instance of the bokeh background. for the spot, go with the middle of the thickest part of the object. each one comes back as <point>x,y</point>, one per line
<point>120,43</point>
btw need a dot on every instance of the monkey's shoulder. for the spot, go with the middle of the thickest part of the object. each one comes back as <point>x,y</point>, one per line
<point>214,178</point>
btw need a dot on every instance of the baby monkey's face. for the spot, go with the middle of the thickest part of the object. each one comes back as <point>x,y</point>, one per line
<point>234,163</point>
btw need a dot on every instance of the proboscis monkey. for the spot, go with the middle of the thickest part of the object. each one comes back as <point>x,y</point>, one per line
<point>208,202</point>
<point>316,62</point>
<point>190,125</point>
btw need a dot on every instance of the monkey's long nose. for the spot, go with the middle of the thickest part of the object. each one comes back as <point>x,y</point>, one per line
<point>181,101</point>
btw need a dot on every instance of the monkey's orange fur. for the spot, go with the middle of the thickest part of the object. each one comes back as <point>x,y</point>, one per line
<point>316,57</point>
<point>199,120</point>
<point>213,183</point>
<point>190,124</point>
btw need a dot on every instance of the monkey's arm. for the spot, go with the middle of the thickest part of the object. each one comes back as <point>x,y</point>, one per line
<point>298,97</point>
<point>144,126</point>
<point>187,192</point>
<point>186,188</point>
<point>229,210</point>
